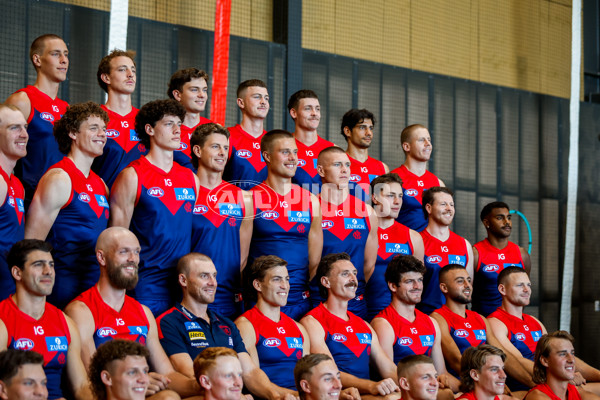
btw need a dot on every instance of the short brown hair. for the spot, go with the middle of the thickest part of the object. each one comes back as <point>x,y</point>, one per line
<point>406,134</point>
<point>429,196</point>
<point>266,143</point>
<point>207,359</point>
<point>258,271</point>
<point>303,369</point>
<point>183,76</point>
<point>249,83</point>
<point>39,45</point>
<point>71,121</point>
<point>327,150</point>
<point>408,362</point>
<point>294,100</point>
<point>542,349</point>
<point>183,265</point>
<point>324,269</point>
<point>12,359</point>
<point>201,134</point>
<point>475,358</point>
<point>104,66</point>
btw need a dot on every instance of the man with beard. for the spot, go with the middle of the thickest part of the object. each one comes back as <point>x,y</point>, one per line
<point>482,374</point>
<point>105,312</point>
<point>492,255</point>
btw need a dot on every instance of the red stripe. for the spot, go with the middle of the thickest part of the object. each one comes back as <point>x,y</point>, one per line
<point>220,61</point>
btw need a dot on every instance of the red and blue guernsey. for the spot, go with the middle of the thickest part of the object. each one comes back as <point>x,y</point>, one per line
<point>278,345</point>
<point>362,173</point>
<point>572,392</point>
<point>218,215</point>
<point>246,167</point>
<point>523,333</point>
<point>393,241</point>
<point>306,174</point>
<point>122,147</point>
<point>281,227</point>
<point>42,148</point>
<point>486,297</point>
<point>346,228</point>
<point>410,338</point>
<point>468,331</point>
<point>162,222</point>
<point>74,232</point>
<point>349,342</point>
<point>183,155</point>
<point>413,186</point>
<point>49,336</point>
<point>438,254</point>
<point>130,323</point>
<point>12,228</point>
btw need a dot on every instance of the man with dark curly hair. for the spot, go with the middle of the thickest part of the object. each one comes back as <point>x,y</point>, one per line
<point>70,205</point>
<point>154,198</point>
<point>22,375</point>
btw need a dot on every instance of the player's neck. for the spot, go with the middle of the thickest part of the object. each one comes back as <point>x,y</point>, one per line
<point>498,242</point>
<point>337,306</point>
<point>440,232</point>
<point>7,164</point>
<point>270,311</point>
<point>119,103</point>
<point>415,166</point>
<point>359,154</point>
<point>481,394</point>
<point>514,310</point>
<point>306,137</point>
<point>196,308</point>
<point>456,308</point>
<point>112,296</point>
<point>191,119</point>
<point>385,222</point>
<point>160,158</point>
<point>252,126</point>
<point>406,311</point>
<point>47,86</point>
<point>32,305</point>
<point>334,194</point>
<point>209,179</point>
<point>82,161</point>
<point>559,387</point>
<point>280,184</point>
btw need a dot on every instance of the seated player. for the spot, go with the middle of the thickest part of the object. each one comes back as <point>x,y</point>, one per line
<point>317,378</point>
<point>104,312</point>
<point>190,327</point>
<point>22,375</point>
<point>418,378</point>
<point>554,369</point>
<point>335,331</point>
<point>393,239</point>
<point>402,329</point>
<point>29,322</point>
<point>274,341</point>
<point>219,373</point>
<point>492,255</point>
<point>70,205</point>
<point>482,374</point>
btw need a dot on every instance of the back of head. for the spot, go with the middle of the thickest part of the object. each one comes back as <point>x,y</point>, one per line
<point>429,197</point>
<point>11,360</point>
<point>354,117</point>
<point>258,271</point>
<point>39,44</point>
<point>183,76</point>
<point>325,267</point>
<point>104,66</point>
<point>402,264</point>
<point>249,83</point>
<point>17,256</point>
<point>487,209</point>
<point>154,111</point>
<point>207,359</point>
<point>294,100</point>
<point>406,365</point>
<point>475,358</point>
<point>266,143</point>
<point>201,135</point>
<point>71,121</point>
<point>542,350</point>
<point>304,367</point>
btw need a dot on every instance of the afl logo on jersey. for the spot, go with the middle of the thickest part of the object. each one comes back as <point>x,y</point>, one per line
<point>24,344</point>
<point>491,268</point>
<point>327,224</point>
<point>270,215</point>
<point>354,178</point>
<point>84,197</point>
<point>200,209</point>
<point>301,162</point>
<point>47,116</point>
<point>105,332</point>
<point>411,192</point>
<point>338,337</point>
<point>405,341</point>
<point>156,192</point>
<point>434,259</point>
<point>520,336</point>
<point>243,153</point>
<point>112,133</point>
<point>271,342</point>
<point>182,146</point>
<point>461,333</point>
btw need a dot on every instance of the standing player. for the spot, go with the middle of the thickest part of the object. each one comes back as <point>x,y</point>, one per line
<point>442,246</point>
<point>42,108</point>
<point>22,375</point>
<point>189,87</point>
<point>246,167</point>
<point>117,76</point>
<point>274,341</point>
<point>417,147</point>
<point>417,378</point>
<point>154,198</point>
<point>13,146</point>
<point>349,224</point>
<point>492,255</point>
<point>70,205</point>
<point>305,110</point>
<point>29,322</point>
<point>393,239</point>
<point>288,219</point>
<point>222,216</point>
<point>482,373</point>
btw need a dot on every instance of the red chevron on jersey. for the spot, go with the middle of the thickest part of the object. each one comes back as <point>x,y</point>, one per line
<point>523,333</point>
<point>293,209</point>
<point>174,189</point>
<point>247,148</point>
<point>363,173</point>
<point>307,155</point>
<point>349,217</point>
<point>220,204</point>
<point>415,185</point>
<point>394,240</point>
<point>121,130</point>
<point>572,392</point>
<point>280,331</point>
<point>465,331</point>
<point>14,198</point>
<point>186,135</point>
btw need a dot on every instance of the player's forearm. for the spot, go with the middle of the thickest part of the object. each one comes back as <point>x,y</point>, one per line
<point>260,386</point>
<point>364,386</point>
<point>590,373</point>
<point>184,386</point>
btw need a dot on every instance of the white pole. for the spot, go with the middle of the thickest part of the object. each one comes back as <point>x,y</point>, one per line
<point>117,35</point>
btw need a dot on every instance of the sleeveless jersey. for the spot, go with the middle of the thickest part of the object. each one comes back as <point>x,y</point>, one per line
<point>471,396</point>
<point>183,155</point>
<point>122,147</point>
<point>348,341</point>
<point>572,392</point>
<point>42,148</point>
<point>216,222</point>
<point>392,241</point>
<point>492,261</point>
<point>438,254</point>
<point>346,228</point>
<point>12,228</point>
<point>362,173</point>
<point>306,173</point>
<point>162,222</point>
<point>279,346</point>
<point>130,323</point>
<point>245,166</point>
<point>523,333</point>
<point>74,232</point>
<point>281,227</point>
<point>413,186</point>
<point>410,338</point>
<point>466,332</point>
<point>49,336</point>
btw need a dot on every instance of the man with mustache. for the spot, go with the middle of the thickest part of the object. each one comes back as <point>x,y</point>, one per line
<point>104,312</point>
<point>482,374</point>
<point>492,255</point>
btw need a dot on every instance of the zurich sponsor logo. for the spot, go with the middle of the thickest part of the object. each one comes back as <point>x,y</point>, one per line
<point>138,330</point>
<point>520,336</point>
<point>57,343</point>
<point>182,146</point>
<point>156,192</point>
<point>354,178</point>
<point>536,335</point>
<point>191,325</point>
<point>327,224</point>
<point>426,340</point>
<point>405,341</point>
<point>491,268</point>
<point>47,116</point>
<point>271,342</point>
<point>354,223</point>
<point>133,136</point>
<point>299,216</point>
<point>200,209</point>
<point>243,153</point>
<point>106,331</point>
<point>230,209</point>
<point>364,338</point>
<point>480,334</point>
<point>398,248</point>
<point>112,133</point>
<point>23,344</point>
<point>461,333</point>
<point>434,259</point>
<point>338,337</point>
<point>20,205</point>
<point>270,215</point>
<point>294,342</point>
<point>301,162</point>
<point>185,194</point>
<point>84,197</point>
<point>101,200</point>
<point>411,192</point>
